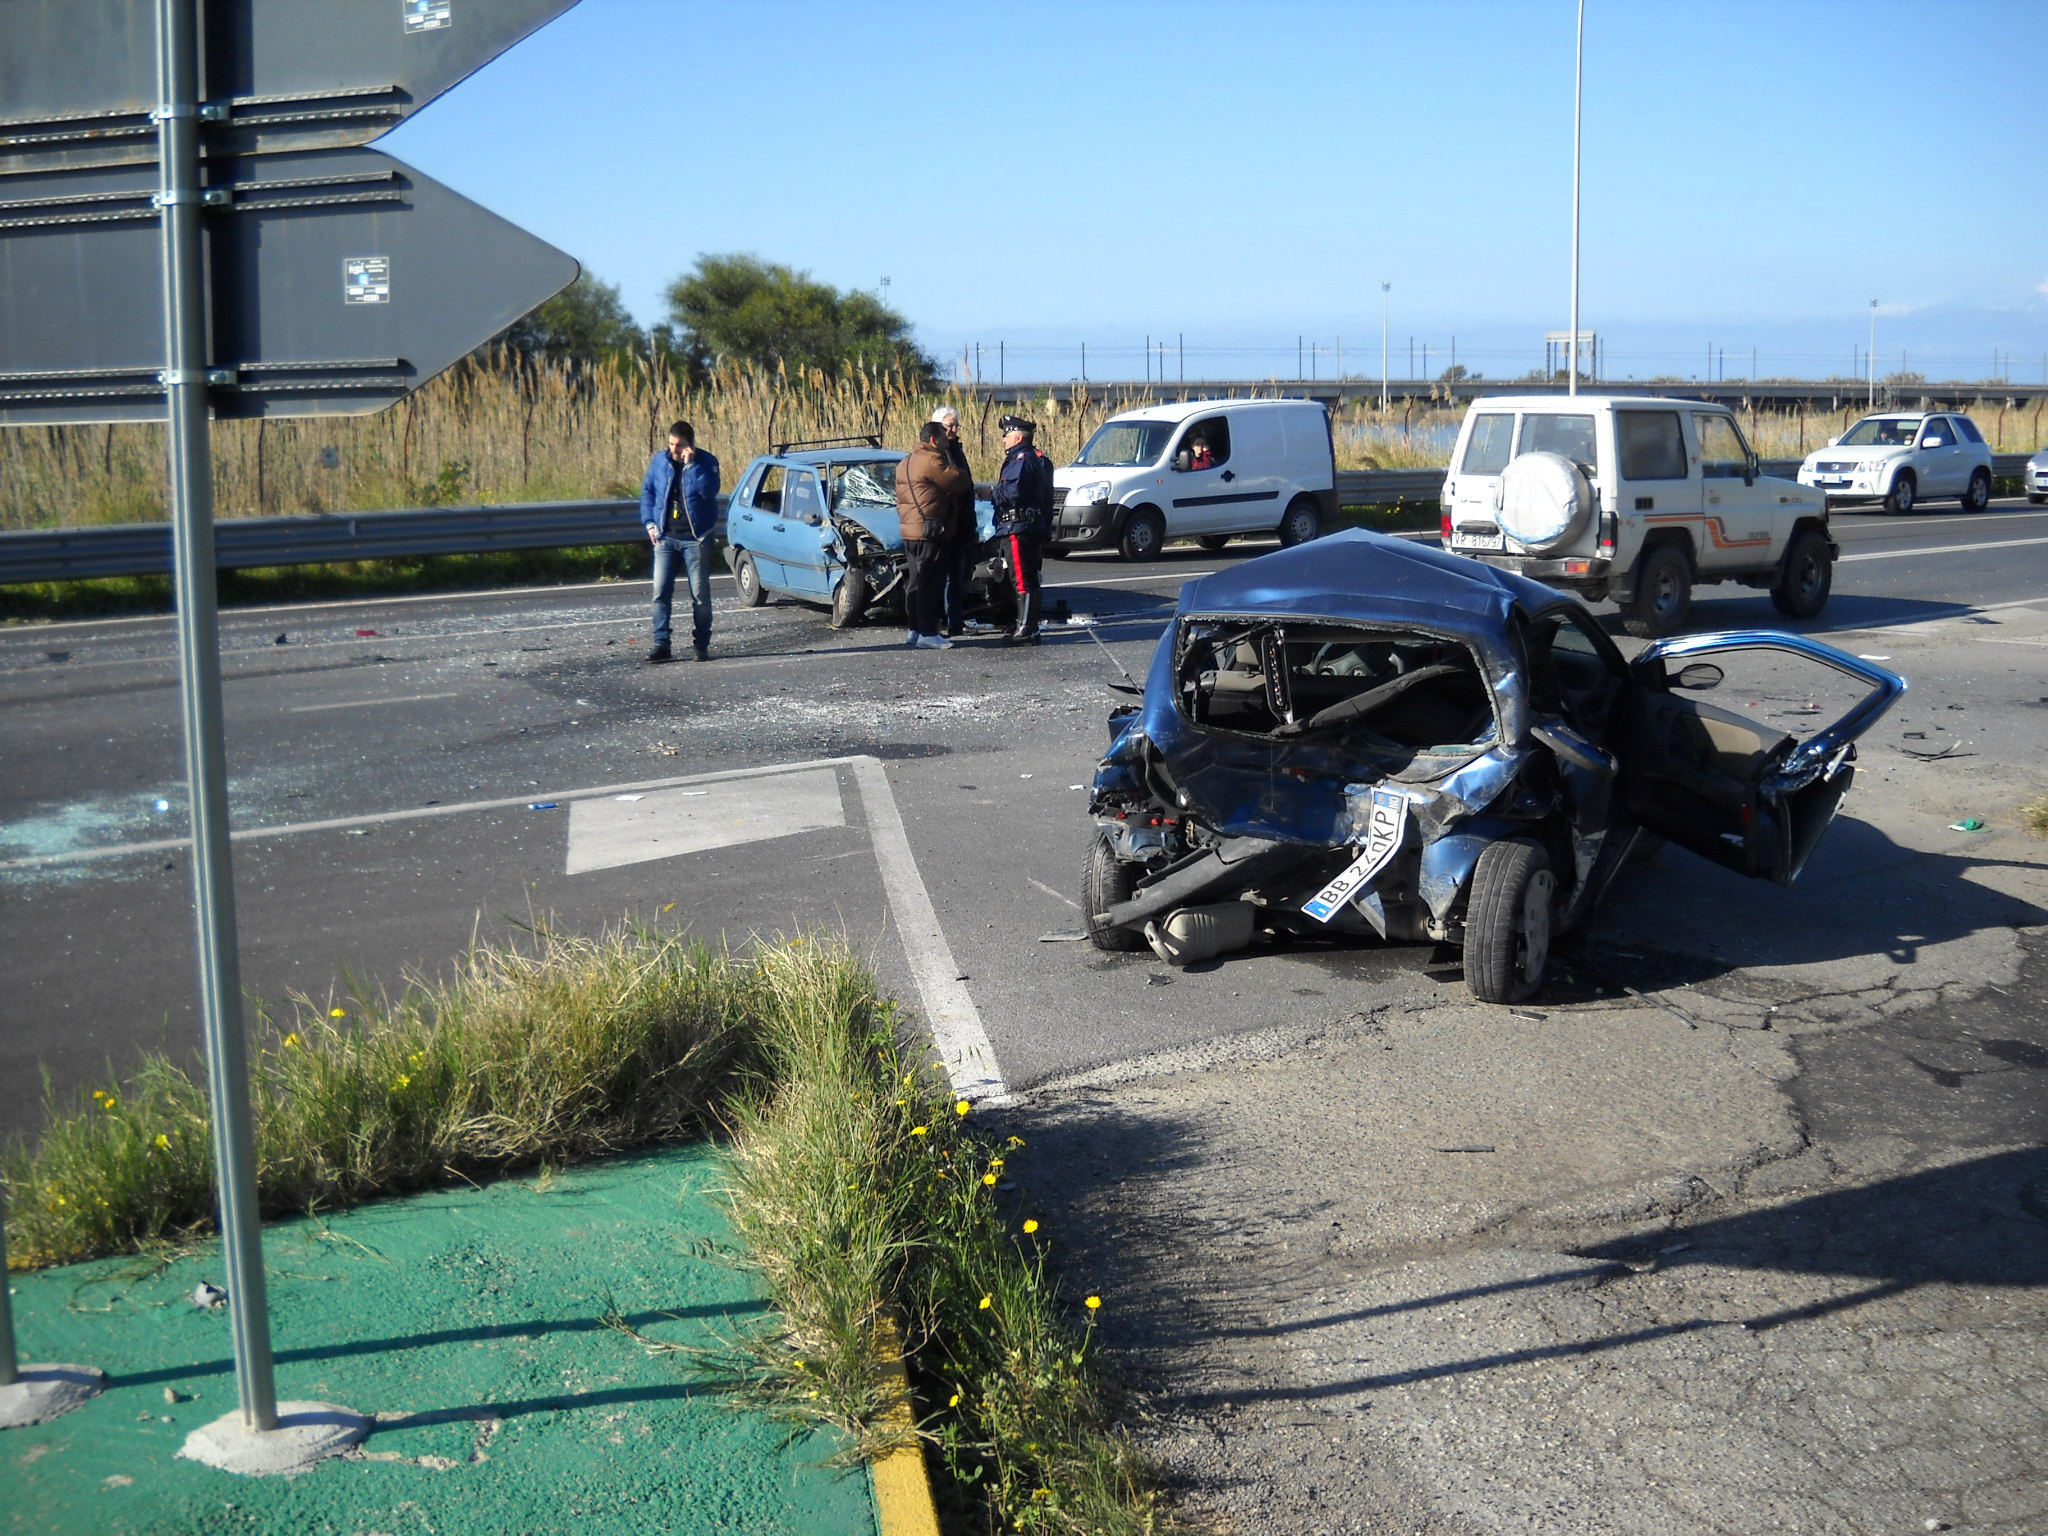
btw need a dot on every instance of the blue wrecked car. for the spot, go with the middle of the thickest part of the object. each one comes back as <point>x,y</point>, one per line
<point>1365,736</point>
<point>817,522</point>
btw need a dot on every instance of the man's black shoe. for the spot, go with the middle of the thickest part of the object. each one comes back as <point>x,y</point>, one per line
<point>660,653</point>
<point>703,649</point>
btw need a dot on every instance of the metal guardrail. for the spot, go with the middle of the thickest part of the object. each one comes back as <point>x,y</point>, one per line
<point>241,543</point>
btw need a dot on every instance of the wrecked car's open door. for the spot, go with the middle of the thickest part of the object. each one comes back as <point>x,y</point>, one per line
<point>1721,779</point>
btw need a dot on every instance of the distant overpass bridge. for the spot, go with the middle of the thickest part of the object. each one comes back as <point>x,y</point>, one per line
<point>1829,395</point>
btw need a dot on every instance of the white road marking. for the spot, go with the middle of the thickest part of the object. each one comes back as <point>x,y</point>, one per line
<point>418,813</point>
<point>410,698</point>
<point>607,833</point>
<point>1941,549</point>
<point>949,1009</point>
<point>1055,895</point>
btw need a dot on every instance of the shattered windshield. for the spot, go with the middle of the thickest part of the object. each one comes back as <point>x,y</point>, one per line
<point>1384,692</point>
<point>1882,432</point>
<point>1126,443</point>
<point>864,485</point>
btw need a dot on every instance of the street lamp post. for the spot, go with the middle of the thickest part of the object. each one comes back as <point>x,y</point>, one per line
<point>1578,90</point>
<point>1870,357</point>
<point>1384,289</point>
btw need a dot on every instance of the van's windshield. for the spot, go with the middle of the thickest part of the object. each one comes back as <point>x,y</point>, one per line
<point>1123,443</point>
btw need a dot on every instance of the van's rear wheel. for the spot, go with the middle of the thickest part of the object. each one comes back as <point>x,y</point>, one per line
<point>1507,923</point>
<point>1663,595</point>
<point>1303,522</point>
<point>1144,535</point>
<point>1105,881</point>
<point>1213,541</point>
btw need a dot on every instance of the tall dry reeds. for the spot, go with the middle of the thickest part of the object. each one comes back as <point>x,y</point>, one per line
<point>499,428</point>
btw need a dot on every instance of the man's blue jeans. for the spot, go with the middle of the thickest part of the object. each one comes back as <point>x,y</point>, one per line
<point>694,556</point>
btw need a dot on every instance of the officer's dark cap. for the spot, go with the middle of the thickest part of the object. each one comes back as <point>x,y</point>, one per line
<point>1017,424</point>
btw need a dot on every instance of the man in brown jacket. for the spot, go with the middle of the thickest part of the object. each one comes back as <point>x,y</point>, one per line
<point>929,492</point>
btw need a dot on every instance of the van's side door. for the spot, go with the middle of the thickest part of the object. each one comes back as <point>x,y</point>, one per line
<point>1200,500</point>
<point>1741,522</point>
<point>1258,451</point>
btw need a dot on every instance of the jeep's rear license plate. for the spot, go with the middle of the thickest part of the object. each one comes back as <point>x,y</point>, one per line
<point>1384,826</point>
<point>1462,540</point>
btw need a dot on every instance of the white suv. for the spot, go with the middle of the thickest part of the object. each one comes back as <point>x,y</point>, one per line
<point>1637,499</point>
<point>1903,457</point>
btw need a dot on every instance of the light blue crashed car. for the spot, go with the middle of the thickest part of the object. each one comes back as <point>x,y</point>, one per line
<point>1364,736</point>
<point>817,522</point>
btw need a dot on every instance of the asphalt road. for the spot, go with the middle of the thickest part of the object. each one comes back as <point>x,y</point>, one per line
<point>465,712</point>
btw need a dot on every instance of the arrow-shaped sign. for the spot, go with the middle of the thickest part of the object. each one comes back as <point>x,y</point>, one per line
<point>341,281</point>
<point>78,77</point>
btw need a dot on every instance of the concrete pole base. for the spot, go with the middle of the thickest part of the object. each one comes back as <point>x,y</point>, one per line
<point>45,1391</point>
<point>306,1435</point>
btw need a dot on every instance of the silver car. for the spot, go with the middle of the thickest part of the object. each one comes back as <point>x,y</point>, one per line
<point>2037,478</point>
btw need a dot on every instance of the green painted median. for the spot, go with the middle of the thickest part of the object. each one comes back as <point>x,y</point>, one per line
<point>466,1322</point>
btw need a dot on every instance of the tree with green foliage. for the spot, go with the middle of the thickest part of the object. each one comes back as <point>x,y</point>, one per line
<point>584,322</point>
<point>767,316</point>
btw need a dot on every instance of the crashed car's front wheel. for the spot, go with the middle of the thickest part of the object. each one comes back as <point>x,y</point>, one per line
<point>1507,921</point>
<point>1105,881</point>
<point>850,597</point>
<point>746,576</point>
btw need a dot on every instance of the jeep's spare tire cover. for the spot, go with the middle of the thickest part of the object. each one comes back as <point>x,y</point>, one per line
<point>1544,501</point>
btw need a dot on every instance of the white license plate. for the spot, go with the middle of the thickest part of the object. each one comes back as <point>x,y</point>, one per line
<point>1385,823</point>
<point>1829,482</point>
<point>1478,540</point>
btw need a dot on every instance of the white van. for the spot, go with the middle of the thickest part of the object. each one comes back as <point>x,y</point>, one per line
<point>1270,468</point>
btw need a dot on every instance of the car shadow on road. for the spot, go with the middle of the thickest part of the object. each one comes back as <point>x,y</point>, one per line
<point>1676,919</point>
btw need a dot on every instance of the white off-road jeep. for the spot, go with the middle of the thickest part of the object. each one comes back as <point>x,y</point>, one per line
<point>1637,499</point>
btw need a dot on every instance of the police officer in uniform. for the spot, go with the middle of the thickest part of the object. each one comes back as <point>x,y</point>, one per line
<point>1023,505</point>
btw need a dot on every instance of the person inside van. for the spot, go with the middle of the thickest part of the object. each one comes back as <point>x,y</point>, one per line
<point>1200,457</point>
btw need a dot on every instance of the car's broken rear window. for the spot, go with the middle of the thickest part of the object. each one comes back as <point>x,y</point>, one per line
<point>1388,692</point>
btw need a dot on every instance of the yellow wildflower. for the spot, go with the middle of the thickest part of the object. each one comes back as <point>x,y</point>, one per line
<point>962,1107</point>
<point>163,1142</point>
<point>920,1130</point>
<point>291,1041</point>
<point>337,1013</point>
<point>111,1104</point>
<point>1030,1223</point>
<point>953,1401</point>
<point>1093,1303</point>
<point>987,1302</point>
<point>1015,1141</point>
<point>98,1094</point>
<point>988,1178</point>
<point>401,1081</point>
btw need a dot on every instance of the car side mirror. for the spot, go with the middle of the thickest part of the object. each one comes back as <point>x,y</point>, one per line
<point>813,519</point>
<point>1931,442</point>
<point>1699,676</point>
<point>1183,460</point>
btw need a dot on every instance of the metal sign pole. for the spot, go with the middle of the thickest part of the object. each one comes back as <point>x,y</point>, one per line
<point>191,486</point>
<point>10,1363</point>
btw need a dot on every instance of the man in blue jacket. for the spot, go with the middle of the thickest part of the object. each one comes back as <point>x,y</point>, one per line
<point>679,508</point>
<point>1023,503</point>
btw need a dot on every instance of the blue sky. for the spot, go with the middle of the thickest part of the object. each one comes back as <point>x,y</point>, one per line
<point>1047,175</point>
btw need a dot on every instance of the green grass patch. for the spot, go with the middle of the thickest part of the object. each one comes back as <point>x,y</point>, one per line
<point>861,1191</point>
<point>2034,816</point>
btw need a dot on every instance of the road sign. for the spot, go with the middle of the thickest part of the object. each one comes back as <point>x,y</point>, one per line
<point>172,247</point>
<point>340,280</point>
<point>78,77</point>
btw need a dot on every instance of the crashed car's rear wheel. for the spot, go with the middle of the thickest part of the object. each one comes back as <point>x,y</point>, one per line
<point>1808,577</point>
<point>1105,881</point>
<point>1507,921</point>
<point>1663,595</point>
<point>850,597</point>
<point>747,577</point>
